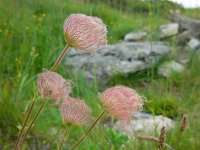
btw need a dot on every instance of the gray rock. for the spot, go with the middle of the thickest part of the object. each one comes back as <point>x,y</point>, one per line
<point>144,123</point>
<point>168,30</point>
<point>135,36</point>
<point>182,55</point>
<point>168,68</point>
<point>123,58</point>
<point>126,67</point>
<point>194,43</point>
<point>183,59</point>
<point>72,52</point>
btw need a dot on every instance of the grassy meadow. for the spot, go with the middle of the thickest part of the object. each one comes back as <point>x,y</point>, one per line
<point>31,38</point>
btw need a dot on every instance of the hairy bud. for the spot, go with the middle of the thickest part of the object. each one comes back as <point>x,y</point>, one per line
<point>75,112</point>
<point>121,101</point>
<point>53,86</point>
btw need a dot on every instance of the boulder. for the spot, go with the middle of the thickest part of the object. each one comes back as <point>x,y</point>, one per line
<point>144,123</point>
<point>168,30</point>
<point>123,58</point>
<point>135,36</point>
<point>194,43</point>
<point>168,68</point>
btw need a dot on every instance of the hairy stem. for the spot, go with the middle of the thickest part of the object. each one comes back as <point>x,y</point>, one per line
<point>60,57</point>
<point>25,121</point>
<point>88,131</point>
<point>33,103</point>
<point>31,124</point>
<point>63,140</point>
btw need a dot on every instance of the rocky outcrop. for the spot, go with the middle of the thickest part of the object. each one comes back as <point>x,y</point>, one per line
<point>130,56</point>
<point>194,44</point>
<point>123,58</point>
<point>167,69</point>
<point>135,36</point>
<point>189,28</point>
<point>144,123</point>
<point>168,30</point>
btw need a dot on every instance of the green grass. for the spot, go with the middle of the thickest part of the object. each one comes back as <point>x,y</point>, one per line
<point>31,38</point>
<point>193,13</point>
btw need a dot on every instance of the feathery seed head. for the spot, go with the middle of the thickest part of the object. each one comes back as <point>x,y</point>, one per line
<point>121,101</point>
<point>75,112</point>
<point>53,86</point>
<point>85,33</point>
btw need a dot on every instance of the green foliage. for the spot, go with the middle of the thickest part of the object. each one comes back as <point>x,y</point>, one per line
<point>193,13</point>
<point>161,7</point>
<point>116,139</point>
<point>31,38</point>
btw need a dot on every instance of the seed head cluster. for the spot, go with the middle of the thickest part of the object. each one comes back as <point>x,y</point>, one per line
<point>86,33</point>
<point>53,86</point>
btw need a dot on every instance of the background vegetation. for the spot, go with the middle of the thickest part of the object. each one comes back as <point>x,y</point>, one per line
<point>31,38</point>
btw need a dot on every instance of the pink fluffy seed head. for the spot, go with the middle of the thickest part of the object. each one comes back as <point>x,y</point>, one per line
<point>53,86</point>
<point>85,33</point>
<point>121,102</point>
<point>75,112</point>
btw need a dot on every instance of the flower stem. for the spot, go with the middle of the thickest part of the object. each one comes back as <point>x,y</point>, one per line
<point>24,124</point>
<point>31,124</point>
<point>60,57</point>
<point>88,131</point>
<point>33,103</point>
<point>63,140</point>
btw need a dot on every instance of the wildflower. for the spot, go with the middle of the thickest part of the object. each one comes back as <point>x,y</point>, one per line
<point>161,138</point>
<point>121,101</point>
<point>85,33</point>
<point>183,123</point>
<point>53,86</point>
<point>75,112</point>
